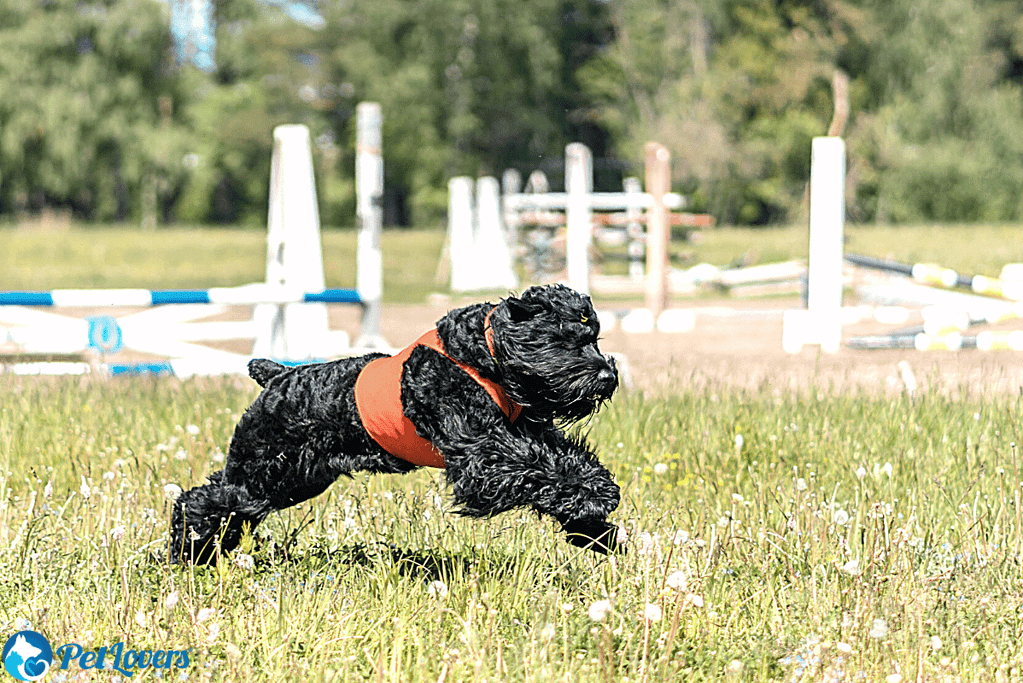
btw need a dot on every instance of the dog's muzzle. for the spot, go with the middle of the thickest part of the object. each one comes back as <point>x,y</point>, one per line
<point>607,377</point>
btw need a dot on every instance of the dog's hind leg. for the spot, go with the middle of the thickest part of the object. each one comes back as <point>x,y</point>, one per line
<point>211,519</point>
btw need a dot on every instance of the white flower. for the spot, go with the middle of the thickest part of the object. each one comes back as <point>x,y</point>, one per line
<point>599,610</point>
<point>844,648</point>
<point>85,490</point>
<point>117,533</point>
<point>48,490</point>
<point>181,454</point>
<point>660,468</point>
<point>567,607</point>
<point>800,484</point>
<point>935,643</point>
<point>887,469</point>
<point>437,589</point>
<point>840,517</point>
<point>244,561</point>
<point>651,612</point>
<point>204,614</point>
<point>192,429</point>
<point>646,543</point>
<point>171,600</point>
<point>739,441</point>
<point>141,618</point>
<point>878,629</point>
<point>861,472</point>
<point>737,497</point>
<point>212,632</point>
<point>171,491</point>
<point>548,632</point>
<point>676,580</point>
<point>695,600</point>
<point>852,567</point>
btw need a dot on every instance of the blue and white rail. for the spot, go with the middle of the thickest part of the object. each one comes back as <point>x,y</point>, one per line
<point>233,296</point>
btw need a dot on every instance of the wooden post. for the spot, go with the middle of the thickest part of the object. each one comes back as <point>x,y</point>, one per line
<point>578,215</point>
<point>658,180</point>
<point>369,192</point>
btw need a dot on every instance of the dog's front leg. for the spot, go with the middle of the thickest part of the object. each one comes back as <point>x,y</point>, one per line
<point>540,468</point>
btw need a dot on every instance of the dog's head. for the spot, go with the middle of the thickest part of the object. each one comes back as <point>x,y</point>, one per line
<point>545,345</point>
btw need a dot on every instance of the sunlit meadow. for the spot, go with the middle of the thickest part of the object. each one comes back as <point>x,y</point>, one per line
<point>771,537</point>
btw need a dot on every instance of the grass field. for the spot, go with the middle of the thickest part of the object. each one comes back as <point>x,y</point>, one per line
<point>772,537</point>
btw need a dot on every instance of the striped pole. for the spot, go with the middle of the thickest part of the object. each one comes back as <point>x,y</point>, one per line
<point>237,296</point>
<point>943,277</point>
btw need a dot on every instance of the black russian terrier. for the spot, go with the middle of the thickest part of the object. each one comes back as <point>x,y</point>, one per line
<point>482,396</point>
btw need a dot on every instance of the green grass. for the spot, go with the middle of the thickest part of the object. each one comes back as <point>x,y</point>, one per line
<point>780,537</point>
<point>118,257</point>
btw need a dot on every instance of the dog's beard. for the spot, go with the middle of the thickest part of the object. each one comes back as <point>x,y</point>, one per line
<point>569,393</point>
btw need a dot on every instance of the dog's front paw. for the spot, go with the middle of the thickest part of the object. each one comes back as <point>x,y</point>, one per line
<point>597,535</point>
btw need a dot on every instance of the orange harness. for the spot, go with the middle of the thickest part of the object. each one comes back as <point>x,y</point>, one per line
<point>378,398</point>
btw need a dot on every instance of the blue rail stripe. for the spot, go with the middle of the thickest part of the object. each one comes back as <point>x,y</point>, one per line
<point>132,369</point>
<point>26,299</point>
<point>334,296</point>
<point>180,296</point>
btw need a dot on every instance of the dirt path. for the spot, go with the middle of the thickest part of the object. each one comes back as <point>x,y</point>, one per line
<point>743,349</point>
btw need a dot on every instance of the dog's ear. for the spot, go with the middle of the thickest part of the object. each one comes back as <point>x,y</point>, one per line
<point>522,309</point>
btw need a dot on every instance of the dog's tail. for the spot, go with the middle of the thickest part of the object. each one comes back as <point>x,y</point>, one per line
<point>263,370</point>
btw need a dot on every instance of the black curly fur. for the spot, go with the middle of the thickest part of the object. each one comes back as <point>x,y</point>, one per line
<point>303,431</point>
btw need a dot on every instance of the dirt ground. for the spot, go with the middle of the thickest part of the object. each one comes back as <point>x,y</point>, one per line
<point>734,343</point>
<point>738,344</point>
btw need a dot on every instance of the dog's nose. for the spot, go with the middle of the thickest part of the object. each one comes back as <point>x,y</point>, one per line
<point>607,375</point>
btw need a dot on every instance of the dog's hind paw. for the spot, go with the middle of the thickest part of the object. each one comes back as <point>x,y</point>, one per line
<point>597,535</point>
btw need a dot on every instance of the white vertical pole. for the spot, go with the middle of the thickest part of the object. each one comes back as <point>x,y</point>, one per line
<point>821,322</point>
<point>491,246</point>
<point>578,215</point>
<point>460,234</point>
<point>827,225</point>
<point>294,254</point>
<point>511,183</point>
<point>634,230</point>
<point>369,189</point>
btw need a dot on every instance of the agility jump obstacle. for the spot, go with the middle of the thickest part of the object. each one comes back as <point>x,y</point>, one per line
<point>947,314</point>
<point>289,319</point>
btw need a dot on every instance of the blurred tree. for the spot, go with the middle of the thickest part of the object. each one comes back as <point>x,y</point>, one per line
<point>467,87</point>
<point>81,120</point>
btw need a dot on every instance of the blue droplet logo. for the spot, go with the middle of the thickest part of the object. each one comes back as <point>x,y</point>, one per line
<point>27,656</point>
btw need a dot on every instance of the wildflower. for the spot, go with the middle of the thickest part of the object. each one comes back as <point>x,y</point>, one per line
<point>737,498</point>
<point>844,648</point>
<point>599,610</point>
<point>567,607</point>
<point>437,589</point>
<point>181,454</point>
<point>212,632</point>
<point>548,632</point>
<point>204,614</point>
<point>935,643</point>
<point>171,600</point>
<point>739,441</point>
<point>840,517</point>
<point>48,490</point>
<point>171,491</point>
<point>651,613</point>
<point>893,678</point>
<point>660,468</point>
<point>887,469</point>
<point>85,490</point>
<point>646,543</point>
<point>141,618</point>
<point>695,600</point>
<point>676,580</point>
<point>232,651</point>
<point>861,472</point>
<point>801,484</point>
<point>244,561</point>
<point>878,629</point>
<point>192,429</point>
<point>117,533</point>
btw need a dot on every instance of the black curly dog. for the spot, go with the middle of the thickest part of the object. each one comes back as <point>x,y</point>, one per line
<point>305,429</point>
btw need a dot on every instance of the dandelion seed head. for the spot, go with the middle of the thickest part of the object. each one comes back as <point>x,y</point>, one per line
<point>651,613</point>
<point>599,610</point>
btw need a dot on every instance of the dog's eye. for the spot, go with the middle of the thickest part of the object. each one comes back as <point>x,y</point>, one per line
<point>583,319</point>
